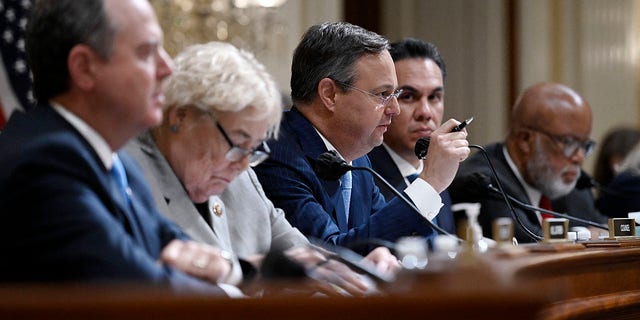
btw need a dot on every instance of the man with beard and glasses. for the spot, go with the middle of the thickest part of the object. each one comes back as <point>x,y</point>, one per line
<point>539,163</point>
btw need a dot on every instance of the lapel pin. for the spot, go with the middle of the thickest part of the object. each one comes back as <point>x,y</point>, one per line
<point>217,209</point>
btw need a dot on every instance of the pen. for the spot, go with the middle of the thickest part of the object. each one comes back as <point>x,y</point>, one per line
<point>462,125</point>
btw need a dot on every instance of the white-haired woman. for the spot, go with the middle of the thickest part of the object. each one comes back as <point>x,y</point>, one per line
<point>221,106</point>
<point>622,193</point>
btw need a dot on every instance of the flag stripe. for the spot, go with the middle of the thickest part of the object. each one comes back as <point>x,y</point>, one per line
<point>8,100</point>
<point>2,119</point>
<point>15,79</point>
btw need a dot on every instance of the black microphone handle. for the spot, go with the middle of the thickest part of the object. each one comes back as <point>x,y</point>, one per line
<point>515,216</point>
<point>405,200</point>
<point>586,181</point>
<point>553,213</point>
<point>421,148</point>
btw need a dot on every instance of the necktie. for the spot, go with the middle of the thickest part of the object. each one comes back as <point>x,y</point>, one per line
<point>545,203</point>
<point>412,177</point>
<point>132,223</point>
<point>345,192</point>
<point>120,176</point>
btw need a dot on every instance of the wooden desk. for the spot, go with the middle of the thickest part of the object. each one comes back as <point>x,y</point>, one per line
<point>592,283</point>
<point>589,283</point>
<point>135,303</point>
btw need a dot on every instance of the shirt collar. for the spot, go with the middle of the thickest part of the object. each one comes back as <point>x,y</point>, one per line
<point>533,193</point>
<point>88,133</point>
<point>329,146</point>
<point>405,168</point>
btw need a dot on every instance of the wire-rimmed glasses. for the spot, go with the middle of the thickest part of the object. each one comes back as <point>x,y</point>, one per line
<point>237,153</point>
<point>568,144</point>
<point>382,97</point>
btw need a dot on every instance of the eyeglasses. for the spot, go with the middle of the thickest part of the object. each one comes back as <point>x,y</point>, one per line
<point>236,153</point>
<point>384,98</point>
<point>569,145</point>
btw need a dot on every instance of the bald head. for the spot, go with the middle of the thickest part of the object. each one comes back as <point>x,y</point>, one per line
<point>549,137</point>
<point>550,106</point>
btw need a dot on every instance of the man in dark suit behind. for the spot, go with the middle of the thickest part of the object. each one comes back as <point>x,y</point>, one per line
<point>541,158</point>
<point>344,88</point>
<point>98,66</point>
<point>421,72</point>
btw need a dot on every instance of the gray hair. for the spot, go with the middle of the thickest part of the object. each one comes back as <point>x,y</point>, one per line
<point>217,76</point>
<point>631,162</point>
<point>330,50</point>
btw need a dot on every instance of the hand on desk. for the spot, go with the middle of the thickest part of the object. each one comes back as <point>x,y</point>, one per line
<point>385,262</point>
<point>197,259</point>
<point>329,276</point>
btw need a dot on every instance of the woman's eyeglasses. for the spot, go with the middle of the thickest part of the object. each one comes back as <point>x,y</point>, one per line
<point>237,153</point>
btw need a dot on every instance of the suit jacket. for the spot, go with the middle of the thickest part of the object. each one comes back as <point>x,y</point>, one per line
<point>621,197</point>
<point>465,188</point>
<point>249,223</point>
<point>308,201</point>
<point>382,163</point>
<point>63,219</point>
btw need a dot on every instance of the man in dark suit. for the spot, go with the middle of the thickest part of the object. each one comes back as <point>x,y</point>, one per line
<point>74,208</point>
<point>421,72</point>
<point>344,89</point>
<point>539,163</point>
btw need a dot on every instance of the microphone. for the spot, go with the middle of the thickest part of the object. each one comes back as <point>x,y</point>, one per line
<point>421,148</point>
<point>422,145</point>
<point>585,181</point>
<point>484,181</point>
<point>330,166</point>
<point>501,191</point>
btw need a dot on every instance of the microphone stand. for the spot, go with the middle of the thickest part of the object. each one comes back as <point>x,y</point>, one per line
<point>330,166</point>
<point>405,200</point>
<point>421,148</point>
<point>554,213</point>
<point>515,216</point>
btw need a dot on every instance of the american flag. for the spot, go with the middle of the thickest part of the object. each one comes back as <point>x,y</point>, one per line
<point>15,77</point>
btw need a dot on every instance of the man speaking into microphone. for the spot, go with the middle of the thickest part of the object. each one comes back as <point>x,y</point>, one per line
<point>344,89</point>
<point>538,164</point>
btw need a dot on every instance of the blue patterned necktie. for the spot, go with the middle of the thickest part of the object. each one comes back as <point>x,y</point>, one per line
<point>133,222</point>
<point>345,192</point>
<point>120,176</point>
<point>412,177</point>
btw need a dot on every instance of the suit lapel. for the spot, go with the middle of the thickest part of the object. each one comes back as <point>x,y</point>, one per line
<point>101,181</point>
<point>312,146</point>
<point>177,205</point>
<point>511,184</point>
<point>219,220</point>
<point>384,165</point>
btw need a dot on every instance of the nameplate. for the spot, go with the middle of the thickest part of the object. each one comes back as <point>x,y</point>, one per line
<point>622,228</point>
<point>555,229</point>
<point>503,230</point>
<point>636,216</point>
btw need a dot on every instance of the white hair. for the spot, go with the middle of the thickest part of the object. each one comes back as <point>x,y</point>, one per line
<point>217,76</point>
<point>631,162</point>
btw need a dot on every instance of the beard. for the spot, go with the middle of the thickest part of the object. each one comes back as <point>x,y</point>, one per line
<point>545,179</point>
